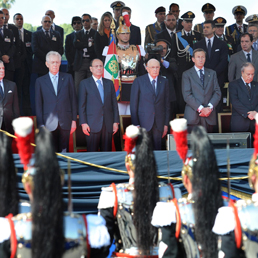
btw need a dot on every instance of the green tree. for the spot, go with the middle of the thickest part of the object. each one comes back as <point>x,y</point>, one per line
<point>6,3</point>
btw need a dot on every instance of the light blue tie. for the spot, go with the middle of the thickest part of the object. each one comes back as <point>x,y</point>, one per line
<point>55,83</point>
<point>101,90</point>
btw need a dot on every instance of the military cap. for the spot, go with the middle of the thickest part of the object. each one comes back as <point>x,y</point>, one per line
<point>220,21</point>
<point>160,9</point>
<point>188,16</point>
<point>239,9</point>
<point>117,5</point>
<point>252,18</point>
<point>208,8</point>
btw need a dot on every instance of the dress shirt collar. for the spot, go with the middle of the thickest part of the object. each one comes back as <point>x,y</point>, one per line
<point>86,30</point>
<point>2,84</point>
<point>197,70</point>
<point>211,39</point>
<point>186,32</point>
<point>53,26</point>
<point>151,79</point>
<point>251,54</point>
<point>52,75</point>
<point>169,31</point>
<point>45,30</point>
<point>222,36</point>
<point>245,82</point>
<point>95,79</point>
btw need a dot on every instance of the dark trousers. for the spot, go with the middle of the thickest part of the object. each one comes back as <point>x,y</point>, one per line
<point>156,137</point>
<point>61,139</point>
<point>203,122</point>
<point>102,140</point>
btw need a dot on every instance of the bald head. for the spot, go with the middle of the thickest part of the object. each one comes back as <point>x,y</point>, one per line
<point>6,15</point>
<point>51,13</point>
<point>46,22</point>
<point>153,67</point>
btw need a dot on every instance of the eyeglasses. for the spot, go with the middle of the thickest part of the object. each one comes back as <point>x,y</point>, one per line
<point>97,66</point>
<point>78,22</point>
<point>86,20</point>
<point>47,21</point>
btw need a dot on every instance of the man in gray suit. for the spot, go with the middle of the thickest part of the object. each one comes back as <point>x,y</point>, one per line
<point>98,109</point>
<point>201,93</point>
<point>247,54</point>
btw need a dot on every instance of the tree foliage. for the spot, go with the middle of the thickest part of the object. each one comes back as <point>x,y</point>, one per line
<point>6,3</point>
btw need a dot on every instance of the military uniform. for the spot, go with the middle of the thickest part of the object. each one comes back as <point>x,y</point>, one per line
<point>116,206</point>
<point>234,30</point>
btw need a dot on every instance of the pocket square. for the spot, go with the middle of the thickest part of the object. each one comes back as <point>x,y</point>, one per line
<point>216,50</point>
<point>10,91</point>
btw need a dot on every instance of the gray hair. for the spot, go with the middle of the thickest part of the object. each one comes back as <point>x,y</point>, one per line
<point>53,53</point>
<point>246,64</point>
<point>199,50</point>
<point>153,59</point>
<point>46,16</point>
<point>252,25</point>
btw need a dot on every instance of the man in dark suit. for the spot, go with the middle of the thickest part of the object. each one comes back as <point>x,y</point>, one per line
<point>201,93</point>
<point>168,68</point>
<point>98,110</point>
<point>9,107</point>
<point>54,27</point>
<point>69,47</point>
<point>22,74</point>
<point>243,94</point>
<point>7,48</point>
<point>84,45</point>
<point>247,54</point>
<point>44,41</point>
<point>174,9</point>
<point>135,38</point>
<point>149,104</point>
<point>56,106</point>
<point>237,29</point>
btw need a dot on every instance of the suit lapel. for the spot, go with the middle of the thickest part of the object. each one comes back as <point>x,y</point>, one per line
<point>242,57</point>
<point>159,85</point>
<point>207,77</point>
<point>95,89</point>
<point>196,77</point>
<point>213,47</point>
<point>149,85</point>
<point>243,86</point>
<point>49,84</point>
<point>6,89</point>
<point>60,83</point>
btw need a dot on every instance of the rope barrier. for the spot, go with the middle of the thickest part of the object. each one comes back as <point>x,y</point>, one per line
<point>117,170</point>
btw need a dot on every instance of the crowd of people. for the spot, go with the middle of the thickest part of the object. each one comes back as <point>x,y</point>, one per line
<point>179,70</point>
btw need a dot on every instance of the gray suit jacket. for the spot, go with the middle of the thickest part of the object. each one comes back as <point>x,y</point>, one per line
<point>235,63</point>
<point>195,94</point>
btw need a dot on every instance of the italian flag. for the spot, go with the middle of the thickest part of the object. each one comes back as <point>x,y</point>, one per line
<point>111,67</point>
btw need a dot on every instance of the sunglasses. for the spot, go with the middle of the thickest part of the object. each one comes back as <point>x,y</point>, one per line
<point>86,20</point>
<point>78,22</point>
<point>47,21</point>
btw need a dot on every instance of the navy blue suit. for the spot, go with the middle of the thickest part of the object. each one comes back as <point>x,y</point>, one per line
<point>150,110</point>
<point>135,38</point>
<point>56,111</point>
<point>242,103</point>
<point>41,45</point>
<point>100,117</point>
<point>58,29</point>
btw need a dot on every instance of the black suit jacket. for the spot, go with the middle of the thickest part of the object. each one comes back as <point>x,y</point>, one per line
<point>179,25</point>
<point>27,35</point>
<point>135,37</point>
<point>9,105</point>
<point>7,47</point>
<point>91,109</point>
<point>165,35</point>
<point>52,109</point>
<point>41,45</point>
<point>58,29</point>
<point>147,107</point>
<point>242,103</point>
<point>100,42</point>
<point>80,42</point>
<point>70,50</point>
<point>219,57</point>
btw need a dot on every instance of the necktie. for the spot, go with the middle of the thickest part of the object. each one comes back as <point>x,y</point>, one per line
<point>55,83</point>
<point>248,89</point>
<point>1,91</point>
<point>209,47</point>
<point>47,34</point>
<point>255,45</point>
<point>240,28</point>
<point>5,26</point>
<point>221,38</point>
<point>20,35</point>
<point>201,77</point>
<point>171,34</point>
<point>101,90</point>
<point>248,58</point>
<point>2,33</point>
<point>153,85</point>
<point>86,32</point>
